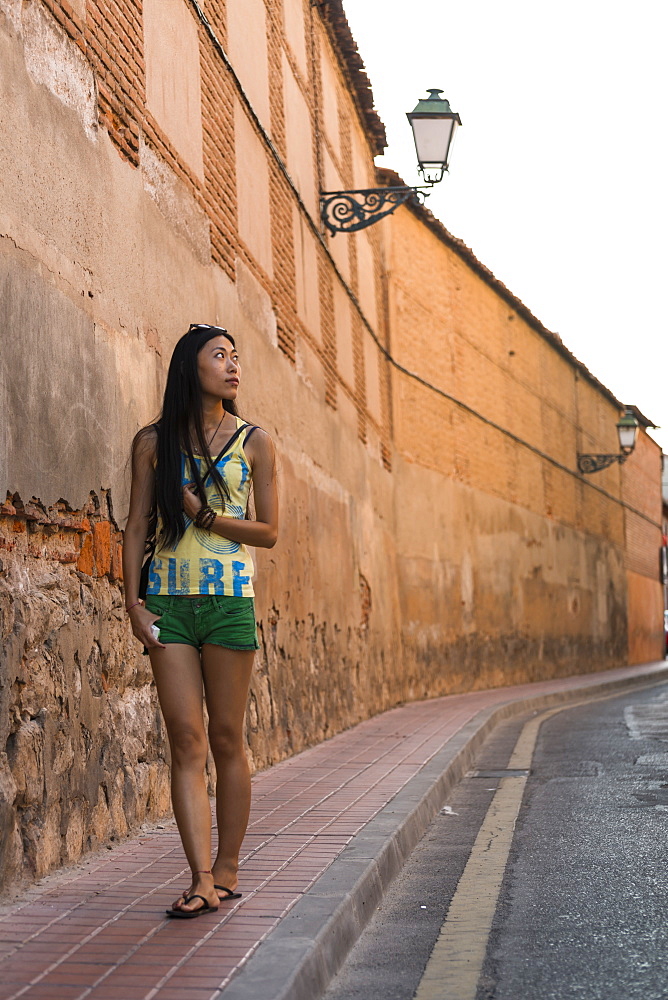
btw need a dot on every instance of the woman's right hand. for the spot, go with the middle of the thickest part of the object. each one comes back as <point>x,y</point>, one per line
<point>141,620</point>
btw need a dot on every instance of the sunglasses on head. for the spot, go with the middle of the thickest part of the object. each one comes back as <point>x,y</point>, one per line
<point>196,327</point>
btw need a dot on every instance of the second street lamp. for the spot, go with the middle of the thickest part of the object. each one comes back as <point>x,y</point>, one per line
<point>433,124</point>
<point>627,431</point>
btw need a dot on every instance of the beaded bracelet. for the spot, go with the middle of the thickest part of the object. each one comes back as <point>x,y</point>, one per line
<point>205,517</point>
<point>199,516</point>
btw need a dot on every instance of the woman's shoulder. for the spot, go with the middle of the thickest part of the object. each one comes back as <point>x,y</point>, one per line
<point>145,441</point>
<point>248,428</point>
<point>252,432</point>
<point>257,442</point>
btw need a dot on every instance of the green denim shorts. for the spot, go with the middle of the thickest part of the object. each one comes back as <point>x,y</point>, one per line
<point>221,621</point>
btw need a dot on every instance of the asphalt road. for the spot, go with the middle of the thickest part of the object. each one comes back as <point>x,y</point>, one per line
<point>583,906</point>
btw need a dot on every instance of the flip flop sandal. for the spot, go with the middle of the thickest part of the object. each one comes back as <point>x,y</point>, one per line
<point>189,914</point>
<point>229,893</point>
<point>222,888</point>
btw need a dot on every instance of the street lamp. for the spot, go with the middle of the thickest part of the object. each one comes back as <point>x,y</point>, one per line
<point>433,124</point>
<point>627,431</point>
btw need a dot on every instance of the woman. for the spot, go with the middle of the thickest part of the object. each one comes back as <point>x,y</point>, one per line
<point>194,500</point>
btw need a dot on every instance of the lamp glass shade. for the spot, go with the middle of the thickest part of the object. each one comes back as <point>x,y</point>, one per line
<point>433,123</point>
<point>627,429</point>
<point>433,137</point>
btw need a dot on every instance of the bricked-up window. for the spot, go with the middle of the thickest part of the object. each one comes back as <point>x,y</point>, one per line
<point>252,191</point>
<point>299,139</point>
<point>173,89</point>
<point>330,103</point>
<point>247,45</point>
<point>293,21</point>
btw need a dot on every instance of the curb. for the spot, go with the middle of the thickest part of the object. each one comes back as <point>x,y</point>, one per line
<point>310,944</point>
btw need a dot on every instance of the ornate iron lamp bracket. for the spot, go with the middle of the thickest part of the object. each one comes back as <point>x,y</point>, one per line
<point>348,211</point>
<point>594,463</point>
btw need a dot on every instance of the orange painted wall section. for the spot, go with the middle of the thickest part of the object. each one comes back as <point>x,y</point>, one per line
<point>516,549</point>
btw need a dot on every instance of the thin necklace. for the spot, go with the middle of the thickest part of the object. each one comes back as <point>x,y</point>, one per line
<point>208,444</point>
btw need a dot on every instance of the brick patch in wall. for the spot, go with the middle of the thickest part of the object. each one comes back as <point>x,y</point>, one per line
<point>82,749</point>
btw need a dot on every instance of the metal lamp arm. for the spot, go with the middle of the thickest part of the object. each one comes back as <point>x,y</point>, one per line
<point>349,211</point>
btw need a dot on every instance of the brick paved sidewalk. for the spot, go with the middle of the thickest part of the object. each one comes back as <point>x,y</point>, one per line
<point>99,931</point>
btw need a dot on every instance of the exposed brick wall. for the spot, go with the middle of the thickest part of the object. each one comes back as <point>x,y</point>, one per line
<point>360,377</point>
<point>328,329</point>
<point>68,19</point>
<point>283,296</point>
<point>216,15</point>
<point>87,539</point>
<point>282,199</point>
<point>220,196</point>
<point>114,48</point>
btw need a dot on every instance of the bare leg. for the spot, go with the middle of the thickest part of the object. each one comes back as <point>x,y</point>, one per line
<point>226,678</point>
<point>178,676</point>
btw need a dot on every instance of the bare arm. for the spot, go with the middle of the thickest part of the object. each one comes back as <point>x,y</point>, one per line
<point>136,532</point>
<point>263,531</point>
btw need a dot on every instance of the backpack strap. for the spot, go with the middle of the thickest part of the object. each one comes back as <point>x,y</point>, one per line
<point>229,444</point>
<point>253,427</point>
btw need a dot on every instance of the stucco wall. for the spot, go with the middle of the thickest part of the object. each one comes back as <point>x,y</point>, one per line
<point>420,552</point>
<point>493,594</point>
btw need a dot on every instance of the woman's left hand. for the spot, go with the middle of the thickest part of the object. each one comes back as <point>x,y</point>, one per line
<point>191,502</point>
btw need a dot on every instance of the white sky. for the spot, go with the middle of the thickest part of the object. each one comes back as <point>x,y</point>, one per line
<point>558,174</point>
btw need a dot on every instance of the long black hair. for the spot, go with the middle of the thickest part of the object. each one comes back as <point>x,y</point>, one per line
<point>182,419</point>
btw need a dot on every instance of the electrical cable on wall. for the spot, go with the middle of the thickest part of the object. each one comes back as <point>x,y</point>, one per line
<point>264,135</point>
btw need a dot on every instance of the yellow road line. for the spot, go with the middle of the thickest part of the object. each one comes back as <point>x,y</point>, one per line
<point>455,964</point>
<point>453,970</point>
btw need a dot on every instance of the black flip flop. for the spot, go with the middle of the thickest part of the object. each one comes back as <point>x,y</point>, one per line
<point>189,914</point>
<point>230,894</point>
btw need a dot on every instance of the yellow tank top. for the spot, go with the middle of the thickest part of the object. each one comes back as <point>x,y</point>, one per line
<point>204,562</point>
